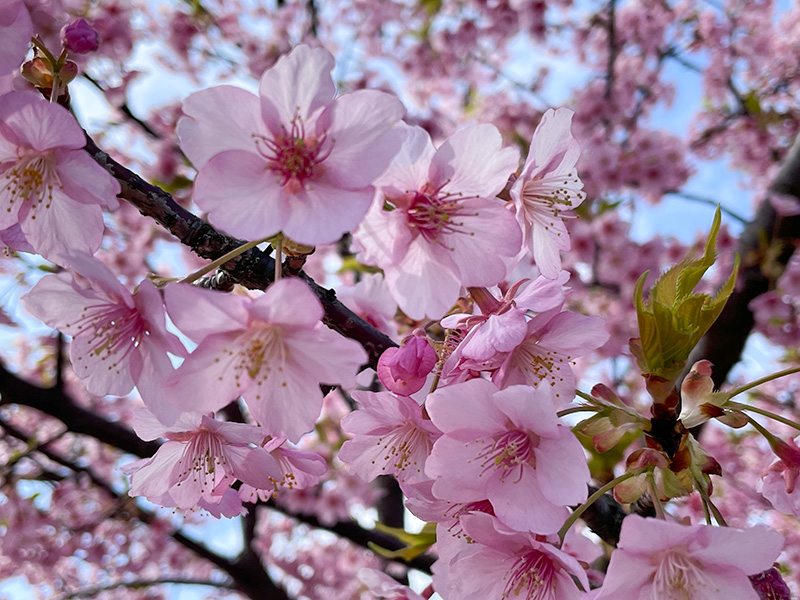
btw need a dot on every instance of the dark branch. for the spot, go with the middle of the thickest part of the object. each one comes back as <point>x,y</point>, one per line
<point>761,266</point>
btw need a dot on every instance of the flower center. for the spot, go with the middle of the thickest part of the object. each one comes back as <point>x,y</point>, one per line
<point>200,461</point>
<point>293,156</point>
<point>111,331</point>
<point>406,448</point>
<point>530,577</point>
<point>435,214</point>
<point>33,178</point>
<point>263,353</point>
<point>544,199</point>
<point>509,452</point>
<point>678,577</point>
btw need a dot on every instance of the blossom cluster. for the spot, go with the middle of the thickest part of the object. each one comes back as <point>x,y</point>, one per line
<point>470,418</point>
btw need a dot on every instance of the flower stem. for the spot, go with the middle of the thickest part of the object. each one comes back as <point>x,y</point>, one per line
<point>651,488</point>
<point>576,409</point>
<point>192,277</point>
<point>576,514</point>
<point>763,412</point>
<point>757,382</point>
<point>714,510</point>
<point>585,396</point>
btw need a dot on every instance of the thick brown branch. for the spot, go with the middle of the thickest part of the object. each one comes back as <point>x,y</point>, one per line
<point>765,247</point>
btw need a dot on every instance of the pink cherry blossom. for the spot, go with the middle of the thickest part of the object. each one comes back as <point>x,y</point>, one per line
<point>503,563</point>
<point>292,159</point>
<point>669,561</point>
<point>200,454</point>
<point>391,437</point>
<point>445,229</point>
<point>404,370</point>
<point>266,350</point>
<point>15,34</point>
<point>48,184</point>
<point>548,188</point>
<point>779,483</point>
<point>119,339</point>
<point>508,447</point>
<point>535,353</point>
<point>300,470</point>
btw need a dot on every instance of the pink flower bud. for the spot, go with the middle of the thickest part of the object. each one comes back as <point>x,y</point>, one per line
<point>403,370</point>
<point>80,37</point>
<point>769,585</point>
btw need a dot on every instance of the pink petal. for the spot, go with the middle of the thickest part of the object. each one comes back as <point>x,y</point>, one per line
<point>493,233</point>
<point>286,403</point>
<point>424,283</point>
<point>409,169</point>
<point>253,466</point>
<point>474,162</point>
<point>65,226</point>
<point>529,409</point>
<point>363,141</point>
<point>209,378</point>
<point>38,124</point>
<point>85,181</point>
<point>554,149</point>
<point>241,195</point>
<point>522,505</point>
<point>300,83</point>
<point>288,302</point>
<point>199,313</point>
<point>322,213</point>
<point>211,127</point>
<point>561,469</point>
<point>158,475</point>
<point>469,405</point>
<point>15,34</point>
<point>337,365</point>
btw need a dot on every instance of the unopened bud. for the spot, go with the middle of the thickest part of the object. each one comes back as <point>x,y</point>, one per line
<point>79,37</point>
<point>403,370</point>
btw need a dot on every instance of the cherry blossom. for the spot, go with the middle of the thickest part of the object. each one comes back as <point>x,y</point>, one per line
<point>667,560</point>
<point>537,352</point>
<point>506,563</point>
<point>292,159</point>
<point>200,454</point>
<point>390,437</point>
<point>48,184</point>
<point>264,350</point>
<point>444,229</point>
<point>506,446</point>
<point>779,483</point>
<point>119,339</point>
<point>548,188</point>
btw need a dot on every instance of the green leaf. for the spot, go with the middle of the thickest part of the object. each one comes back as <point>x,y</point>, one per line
<point>674,317</point>
<point>416,543</point>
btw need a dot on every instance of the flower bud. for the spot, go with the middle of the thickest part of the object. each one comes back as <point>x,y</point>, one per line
<point>769,585</point>
<point>79,37</point>
<point>403,370</point>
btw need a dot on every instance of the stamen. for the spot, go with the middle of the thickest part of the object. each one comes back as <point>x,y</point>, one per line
<point>530,577</point>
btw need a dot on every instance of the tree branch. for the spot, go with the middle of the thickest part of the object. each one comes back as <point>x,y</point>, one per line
<point>725,340</point>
